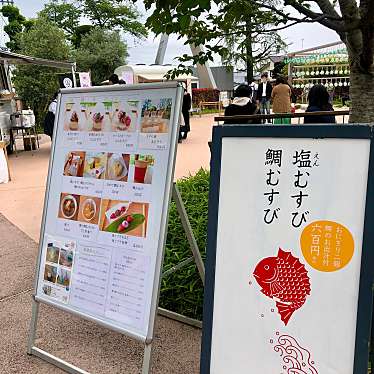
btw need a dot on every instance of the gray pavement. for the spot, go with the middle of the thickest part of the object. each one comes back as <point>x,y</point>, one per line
<point>91,347</point>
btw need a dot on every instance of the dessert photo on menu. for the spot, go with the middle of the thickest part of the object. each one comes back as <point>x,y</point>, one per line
<point>118,167</point>
<point>74,164</point>
<point>95,165</point>
<point>156,116</point>
<point>124,217</point>
<point>125,115</point>
<point>72,120</point>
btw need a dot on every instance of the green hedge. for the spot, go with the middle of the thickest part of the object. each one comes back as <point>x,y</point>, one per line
<point>183,291</point>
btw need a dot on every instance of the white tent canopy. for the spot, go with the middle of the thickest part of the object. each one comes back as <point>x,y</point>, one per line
<point>149,73</point>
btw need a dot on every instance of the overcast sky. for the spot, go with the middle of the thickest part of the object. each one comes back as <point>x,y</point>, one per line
<point>300,36</point>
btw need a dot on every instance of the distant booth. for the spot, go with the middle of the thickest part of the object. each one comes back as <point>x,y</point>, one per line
<point>327,65</point>
<point>140,73</point>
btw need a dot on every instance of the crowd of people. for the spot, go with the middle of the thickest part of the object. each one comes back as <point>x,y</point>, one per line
<point>253,99</point>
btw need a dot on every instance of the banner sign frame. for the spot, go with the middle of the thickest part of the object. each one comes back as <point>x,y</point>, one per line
<point>168,138</point>
<point>365,276</point>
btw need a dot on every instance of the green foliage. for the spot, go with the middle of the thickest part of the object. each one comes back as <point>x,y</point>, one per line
<point>79,33</point>
<point>65,15</point>
<point>183,291</point>
<point>101,52</point>
<point>36,85</point>
<point>113,15</point>
<point>17,23</point>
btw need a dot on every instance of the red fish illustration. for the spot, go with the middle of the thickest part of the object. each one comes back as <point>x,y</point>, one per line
<point>285,280</point>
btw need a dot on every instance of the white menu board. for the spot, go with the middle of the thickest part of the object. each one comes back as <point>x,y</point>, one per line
<point>106,204</point>
<point>289,247</point>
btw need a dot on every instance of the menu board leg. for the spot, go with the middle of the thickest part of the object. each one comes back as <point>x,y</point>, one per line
<point>189,233</point>
<point>147,359</point>
<point>33,326</point>
<point>35,351</point>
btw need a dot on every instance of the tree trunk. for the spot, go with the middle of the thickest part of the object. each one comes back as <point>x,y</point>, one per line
<point>362,94</point>
<point>249,51</point>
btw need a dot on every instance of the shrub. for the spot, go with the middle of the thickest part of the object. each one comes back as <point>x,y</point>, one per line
<point>204,94</point>
<point>183,292</point>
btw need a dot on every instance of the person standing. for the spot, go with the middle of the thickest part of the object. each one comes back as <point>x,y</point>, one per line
<point>281,99</point>
<point>49,121</point>
<point>254,88</point>
<point>264,94</point>
<point>186,107</point>
<point>319,101</point>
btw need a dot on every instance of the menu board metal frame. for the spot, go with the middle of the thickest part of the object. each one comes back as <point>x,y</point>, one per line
<point>365,299</point>
<point>167,190</point>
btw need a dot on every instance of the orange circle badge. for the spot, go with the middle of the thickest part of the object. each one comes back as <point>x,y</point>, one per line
<point>327,246</point>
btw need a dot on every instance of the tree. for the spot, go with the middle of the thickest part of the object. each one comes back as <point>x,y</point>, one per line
<point>35,84</point>
<point>17,24</point>
<point>113,15</point>
<point>352,21</point>
<point>65,15</point>
<point>101,52</point>
<point>105,14</point>
<point>244,26</point>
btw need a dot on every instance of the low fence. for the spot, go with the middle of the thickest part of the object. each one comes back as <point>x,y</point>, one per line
<point>259,118</point>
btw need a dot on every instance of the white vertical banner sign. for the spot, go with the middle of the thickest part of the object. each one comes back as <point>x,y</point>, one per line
<point>106,207</point>
<point>288,254</point>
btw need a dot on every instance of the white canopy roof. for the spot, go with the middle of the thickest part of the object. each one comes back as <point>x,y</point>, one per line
<point>152,72</point>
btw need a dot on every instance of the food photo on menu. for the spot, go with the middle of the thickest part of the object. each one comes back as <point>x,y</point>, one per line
<point>124,217</point>
<point>53,253</point>
<point>118,167</point>
<point>63,277</point>
<point>89,209</point>
<point>66,258</point>
<point>72,121</point>
<point>88,112</point>
<point>50,273</point>
<point>125,116</point>
<point>69,206</point>
<point>156,116</point>
<point>74,164</point>
<point>95,165</point>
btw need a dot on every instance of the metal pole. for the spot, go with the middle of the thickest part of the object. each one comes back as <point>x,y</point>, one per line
<point>74,77</point>
<point>33,326</point>
<point>189,233</point>
<point>162,49</point>
<point>147,359</point>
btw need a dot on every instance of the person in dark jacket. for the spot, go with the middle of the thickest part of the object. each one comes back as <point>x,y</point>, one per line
<point>49,121</point>
<point>241,105</point>
<point>186,107</point>
<point>264,94</point>
<point>319,101</point>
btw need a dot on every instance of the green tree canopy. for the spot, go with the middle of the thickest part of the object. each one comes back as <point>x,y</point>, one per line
<point>35,84</point>
<point>65,15</point>
<point>100,52</point>
<point>17,23</point>
<point>112,15</point>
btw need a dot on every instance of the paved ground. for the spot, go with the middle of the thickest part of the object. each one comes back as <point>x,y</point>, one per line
<point>98,350</point>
